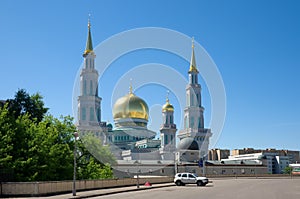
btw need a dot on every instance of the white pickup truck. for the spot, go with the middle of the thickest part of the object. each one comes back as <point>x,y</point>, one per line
<point>189,178</point>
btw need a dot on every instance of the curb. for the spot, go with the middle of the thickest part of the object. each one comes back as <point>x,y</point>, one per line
<point>120,191</point>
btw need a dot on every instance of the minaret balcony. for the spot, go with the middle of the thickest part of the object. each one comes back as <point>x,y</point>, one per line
<point>168,126</point>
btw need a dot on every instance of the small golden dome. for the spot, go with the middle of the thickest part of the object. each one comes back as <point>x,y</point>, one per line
<point>130,106</point>
<point>168,106</point>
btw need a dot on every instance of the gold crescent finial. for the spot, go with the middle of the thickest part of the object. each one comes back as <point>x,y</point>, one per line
<point>130,86</point>
<point>193,43</point>
<point>167,98</point>
<point>89,21</point>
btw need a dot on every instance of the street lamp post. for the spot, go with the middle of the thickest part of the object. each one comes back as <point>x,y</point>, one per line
<point>137,174</point>
<point>74,172</point>
<point>204,166</point>
<point>175,163</point>
<point>137,179</point>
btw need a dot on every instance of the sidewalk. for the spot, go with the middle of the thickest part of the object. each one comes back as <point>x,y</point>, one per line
<point>101,192</point>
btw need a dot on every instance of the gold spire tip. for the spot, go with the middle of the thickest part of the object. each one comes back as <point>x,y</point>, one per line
<point>193,45</point>
<point>167,98</point>
<point>130,86</point>
<point>89,21</point>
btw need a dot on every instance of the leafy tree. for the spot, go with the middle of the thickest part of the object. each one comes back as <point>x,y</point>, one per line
<point>42,151</point>
<point>52,149</point>
<point>13,147</point>
<point>23,103</point>
<point>95,170</point>
<point>288,170</point>
<point>6,143</point>
<point>35,147</point>
<point>94,160</point>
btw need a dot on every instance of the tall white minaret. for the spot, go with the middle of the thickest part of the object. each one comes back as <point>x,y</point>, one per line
<point>193,112</point>
<point>89,103</point>
<point>168,132</point>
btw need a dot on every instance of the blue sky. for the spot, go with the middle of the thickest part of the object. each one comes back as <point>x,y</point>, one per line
<point>255,44</point>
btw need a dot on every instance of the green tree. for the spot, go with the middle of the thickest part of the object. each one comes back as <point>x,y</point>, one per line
<point>52,149</point>
<point>23,103</point>
<point>288,170</point>
<point>35,147</point>
<point>6,143</point>
<point>42,151</point>
<point>94,159</point>
<point>14,147</point>
<point>94,170</point>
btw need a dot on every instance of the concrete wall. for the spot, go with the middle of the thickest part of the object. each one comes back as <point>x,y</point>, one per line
<point>236,170</point>
<point>56,187</point>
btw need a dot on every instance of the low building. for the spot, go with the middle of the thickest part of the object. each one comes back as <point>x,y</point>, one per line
<point>275,160</point>
<point>235,167</point>
<point>294,156</point>
<point>218,154</point>
<point>244,151</point>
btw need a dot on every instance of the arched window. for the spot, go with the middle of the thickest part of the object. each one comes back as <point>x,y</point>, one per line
<point>96,90</point>
<point>83,113</point>
<point>199,122</point>
<point>98,115</point>
<point>187,100</point>
<point>91,87</point>
<point>92,118</point>
<point>166,139</point>
<point>84,87</point>
<point>192,122</point>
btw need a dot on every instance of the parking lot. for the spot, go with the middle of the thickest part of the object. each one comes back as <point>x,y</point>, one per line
<point>278,188</point>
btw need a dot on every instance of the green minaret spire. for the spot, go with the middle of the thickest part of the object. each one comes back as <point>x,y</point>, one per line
<point>89,44</point>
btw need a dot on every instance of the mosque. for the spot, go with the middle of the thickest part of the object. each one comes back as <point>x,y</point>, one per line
<point>130,140</point>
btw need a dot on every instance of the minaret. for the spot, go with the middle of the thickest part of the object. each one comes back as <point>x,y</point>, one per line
<point>193,112</point>
<point>89,103</point>
<point>168,132</point>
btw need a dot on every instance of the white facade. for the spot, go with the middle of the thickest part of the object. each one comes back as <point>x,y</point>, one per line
<point>281,163</point>
<point>130,139</point>
<point>193,112</point>
<point>168,133</point>
<point>89,103</point>
<point>275,164</point>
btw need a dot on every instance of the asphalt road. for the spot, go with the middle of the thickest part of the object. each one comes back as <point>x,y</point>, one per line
<point>223,188</point>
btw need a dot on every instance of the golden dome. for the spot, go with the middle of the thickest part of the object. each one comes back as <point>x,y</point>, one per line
<point>130,106</point>
<point>167,106</point>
